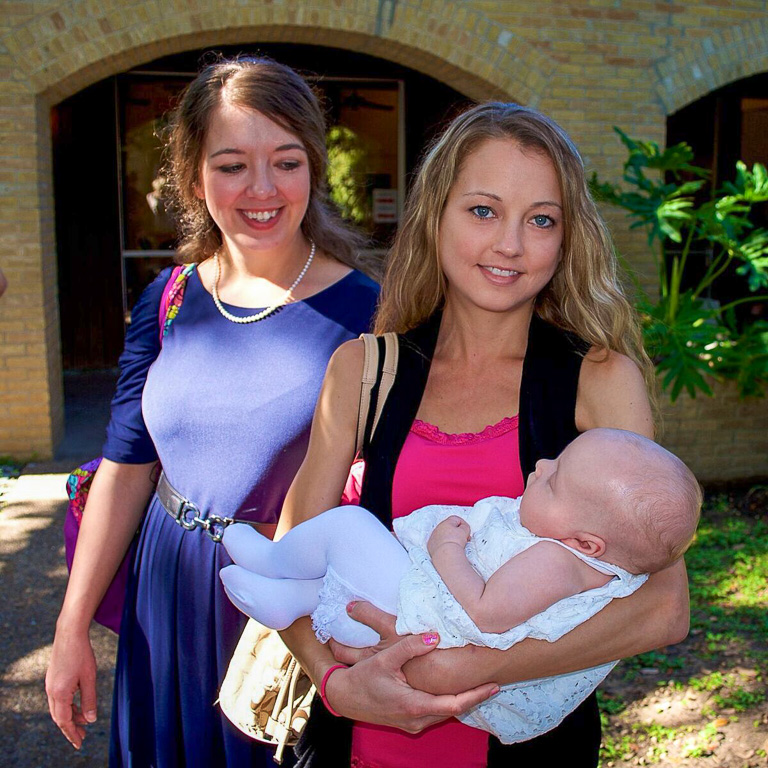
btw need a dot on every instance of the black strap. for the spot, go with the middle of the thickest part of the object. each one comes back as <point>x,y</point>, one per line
<point>548,388</point>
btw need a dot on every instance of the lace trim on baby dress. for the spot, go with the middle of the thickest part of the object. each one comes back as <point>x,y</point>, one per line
<point>436,435</point>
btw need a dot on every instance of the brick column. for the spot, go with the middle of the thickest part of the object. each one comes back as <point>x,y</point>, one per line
<point>31,401</point>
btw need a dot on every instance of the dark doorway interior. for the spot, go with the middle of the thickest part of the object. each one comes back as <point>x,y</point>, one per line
<point>85,180</point>
<point>725,126</point>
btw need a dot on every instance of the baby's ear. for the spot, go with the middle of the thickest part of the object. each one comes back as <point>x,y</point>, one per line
<point>587,543</point>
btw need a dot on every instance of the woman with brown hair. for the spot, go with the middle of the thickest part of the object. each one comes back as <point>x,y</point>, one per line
<point>225,407</point>
<point>514,336</point>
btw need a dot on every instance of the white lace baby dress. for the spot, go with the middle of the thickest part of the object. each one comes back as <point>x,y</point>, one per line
<point>523,710</point>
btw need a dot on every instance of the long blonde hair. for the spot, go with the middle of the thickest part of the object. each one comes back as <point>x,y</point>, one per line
<point>585,295</point>
<point>284,97</point>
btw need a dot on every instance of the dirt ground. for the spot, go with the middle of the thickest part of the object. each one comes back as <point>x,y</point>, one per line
<point>33,578</point>
<point>675,726</point>
<point>660,724</point>
<point>704,702</point>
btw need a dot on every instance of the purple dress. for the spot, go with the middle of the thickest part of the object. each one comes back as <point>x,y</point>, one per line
<point>228,410</point>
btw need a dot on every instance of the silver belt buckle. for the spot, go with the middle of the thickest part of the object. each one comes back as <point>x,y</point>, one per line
<point>182,516</point>
<point>187,514</point>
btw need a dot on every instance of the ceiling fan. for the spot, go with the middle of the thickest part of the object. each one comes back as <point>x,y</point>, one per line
<point>356,101</point>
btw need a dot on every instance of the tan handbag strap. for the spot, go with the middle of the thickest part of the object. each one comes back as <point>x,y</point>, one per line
<point>292,675</point>
<point>370,374</point>
<point>370,368</point>
<point>388,373</point>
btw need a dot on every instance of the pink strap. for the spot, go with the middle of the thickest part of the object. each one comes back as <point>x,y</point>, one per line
<point>165,301</point>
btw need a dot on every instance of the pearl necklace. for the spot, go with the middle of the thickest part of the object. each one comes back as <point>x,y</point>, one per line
<point>265,312</point>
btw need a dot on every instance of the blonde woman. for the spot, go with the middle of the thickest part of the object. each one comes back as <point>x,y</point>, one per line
<point>514,337</point>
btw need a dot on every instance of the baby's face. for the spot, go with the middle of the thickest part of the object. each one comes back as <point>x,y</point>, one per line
<point>561,491</point>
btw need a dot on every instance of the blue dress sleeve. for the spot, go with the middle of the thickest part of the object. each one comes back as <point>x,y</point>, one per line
<point>128,441</point>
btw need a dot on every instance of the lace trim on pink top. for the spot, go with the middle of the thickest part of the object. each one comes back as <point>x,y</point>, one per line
<point>436,435</point>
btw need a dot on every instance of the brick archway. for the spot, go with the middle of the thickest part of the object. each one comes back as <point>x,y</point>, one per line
<point>56,53</point>
<point>711,63</point>
<point>70,48</point>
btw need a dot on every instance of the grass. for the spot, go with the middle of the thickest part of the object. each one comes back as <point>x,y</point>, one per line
<point>9,467</point>
<point>723,666</point>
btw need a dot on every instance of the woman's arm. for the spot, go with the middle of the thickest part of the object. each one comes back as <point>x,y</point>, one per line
<point>116,501</point>
<point>374,690</point>
<point>320,481</point>
<point>612,393</point>
<point>656,615</point>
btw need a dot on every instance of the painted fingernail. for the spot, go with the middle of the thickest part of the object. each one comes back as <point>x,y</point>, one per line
<point>351,606</point>
<point>430,638</point>
<point>495,690</point>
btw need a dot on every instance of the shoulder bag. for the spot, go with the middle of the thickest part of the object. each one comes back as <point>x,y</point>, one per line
<point>110,610</point>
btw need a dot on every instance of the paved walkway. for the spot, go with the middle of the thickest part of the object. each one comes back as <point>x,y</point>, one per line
<point>33,574</point>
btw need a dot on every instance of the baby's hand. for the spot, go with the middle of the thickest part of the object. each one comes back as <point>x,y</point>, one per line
<point>453,530</point>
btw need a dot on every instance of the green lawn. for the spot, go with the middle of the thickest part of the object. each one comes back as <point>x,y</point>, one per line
<point>682,703</point>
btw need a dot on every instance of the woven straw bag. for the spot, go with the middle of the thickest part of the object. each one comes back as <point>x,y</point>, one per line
<point>265,693</point>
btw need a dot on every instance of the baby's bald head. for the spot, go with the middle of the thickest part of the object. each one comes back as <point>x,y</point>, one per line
<point>644,498</point>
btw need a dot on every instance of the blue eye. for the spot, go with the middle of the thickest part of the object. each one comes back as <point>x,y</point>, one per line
<point>231,168</point>
<point>482,212</point>
<point>543,221</point>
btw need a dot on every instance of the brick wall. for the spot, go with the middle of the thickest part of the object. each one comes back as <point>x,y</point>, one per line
<point>721,438</point>
<point>591,64</point>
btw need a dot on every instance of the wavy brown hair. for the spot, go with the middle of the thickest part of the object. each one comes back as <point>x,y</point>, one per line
<point>283,96</point>
<point>584,296</point>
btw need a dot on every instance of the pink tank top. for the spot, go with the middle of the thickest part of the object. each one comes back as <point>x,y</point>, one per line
<point>437,468</point>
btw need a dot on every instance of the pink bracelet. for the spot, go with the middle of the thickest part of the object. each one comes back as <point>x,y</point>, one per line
<point>324,698</point>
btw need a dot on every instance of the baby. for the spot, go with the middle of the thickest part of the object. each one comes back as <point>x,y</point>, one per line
<point>592,523</point>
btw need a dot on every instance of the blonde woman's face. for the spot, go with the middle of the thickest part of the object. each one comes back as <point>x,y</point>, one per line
<point>501,230</point>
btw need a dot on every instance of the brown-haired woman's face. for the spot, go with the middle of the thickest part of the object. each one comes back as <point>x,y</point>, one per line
<point>255,179</point>
<point>501,228</point>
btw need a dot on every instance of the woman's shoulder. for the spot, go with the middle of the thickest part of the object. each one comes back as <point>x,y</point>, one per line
<point>332,274</point>
<point>346,362</point>
<point>349,302</point>
<point>612,393</point>
<point>606,368</point>
<point>355,280</point>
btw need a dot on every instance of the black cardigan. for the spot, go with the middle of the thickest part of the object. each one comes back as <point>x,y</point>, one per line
<point>546,425</point>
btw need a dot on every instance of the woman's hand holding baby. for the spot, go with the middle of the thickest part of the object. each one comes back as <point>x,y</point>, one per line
<point>380,621</point>
<point>375,689</point>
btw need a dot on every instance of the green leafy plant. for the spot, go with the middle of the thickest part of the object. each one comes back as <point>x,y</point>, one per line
<point>347,158</point>
<point>689,336</point>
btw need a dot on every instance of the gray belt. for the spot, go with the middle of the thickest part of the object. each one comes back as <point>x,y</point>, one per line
<point>188,515</point>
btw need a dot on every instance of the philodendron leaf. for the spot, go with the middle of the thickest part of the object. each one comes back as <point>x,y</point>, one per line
<point>696,235</point>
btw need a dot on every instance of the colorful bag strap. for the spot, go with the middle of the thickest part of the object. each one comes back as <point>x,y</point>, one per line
<point>173,295</point>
